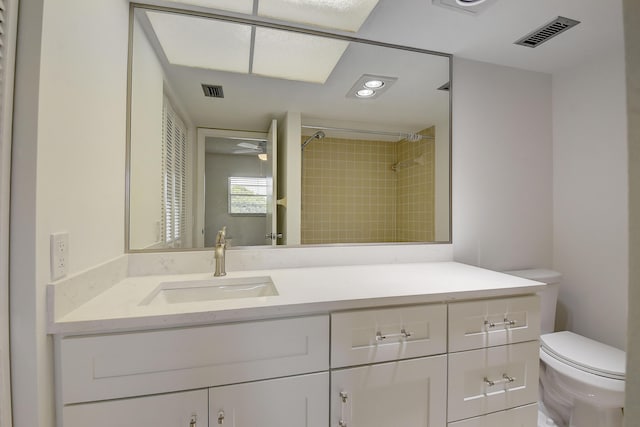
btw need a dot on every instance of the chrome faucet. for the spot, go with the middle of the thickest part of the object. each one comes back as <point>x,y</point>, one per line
<point>221,247</point>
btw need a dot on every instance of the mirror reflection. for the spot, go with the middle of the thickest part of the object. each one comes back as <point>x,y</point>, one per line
<point>284,137</point>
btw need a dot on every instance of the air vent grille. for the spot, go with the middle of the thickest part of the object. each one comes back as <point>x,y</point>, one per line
<point>213,91</point>
<point>547,32</point>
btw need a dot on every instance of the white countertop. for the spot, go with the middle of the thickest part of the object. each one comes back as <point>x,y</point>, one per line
<point>302,291</point>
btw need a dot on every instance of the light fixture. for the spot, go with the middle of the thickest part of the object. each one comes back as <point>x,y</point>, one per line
<point>263,157</point>
<point>365,93</point>
<point>370,86</point>
<point>469,2</point>
<point>374,84</point>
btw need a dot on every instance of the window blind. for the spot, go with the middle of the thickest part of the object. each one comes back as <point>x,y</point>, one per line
<point>174,159</point>
<point>247,195</point>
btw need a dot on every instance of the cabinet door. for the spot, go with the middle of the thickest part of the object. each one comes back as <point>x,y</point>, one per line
<point>405,393</point>
<point>492,379</point>
<point>186,409</point>
<point>284,402</point>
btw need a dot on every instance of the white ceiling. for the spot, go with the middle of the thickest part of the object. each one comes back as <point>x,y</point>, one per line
<point>489,36</point>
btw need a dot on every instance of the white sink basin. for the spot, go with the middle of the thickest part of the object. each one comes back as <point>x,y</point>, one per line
<point>211,290</point>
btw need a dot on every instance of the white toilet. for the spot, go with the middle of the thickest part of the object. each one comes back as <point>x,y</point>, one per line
<point>581,380</point>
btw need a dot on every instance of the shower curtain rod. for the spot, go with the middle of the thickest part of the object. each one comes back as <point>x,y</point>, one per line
<point>407,135</point>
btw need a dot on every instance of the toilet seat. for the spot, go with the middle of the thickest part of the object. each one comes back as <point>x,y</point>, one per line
<point>585,354</point>
<point>598,367</point>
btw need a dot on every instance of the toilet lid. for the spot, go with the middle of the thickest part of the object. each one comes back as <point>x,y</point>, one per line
<point>585,354</point>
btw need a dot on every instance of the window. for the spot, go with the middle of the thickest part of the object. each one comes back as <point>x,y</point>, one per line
<point>247,196</point>
<point>174,158</point>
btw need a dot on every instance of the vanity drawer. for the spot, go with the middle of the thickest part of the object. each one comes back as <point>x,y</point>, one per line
<point>132,364</point>
<point>524,416</point>
<point>369,336</point>
<point>487,323</point>
<point>492,379</point>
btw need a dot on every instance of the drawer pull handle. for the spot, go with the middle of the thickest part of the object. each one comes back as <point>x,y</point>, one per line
<point>506,323</point>
<point>403,334</point>
<point>344,396</point>
<point>505,379</point>
<point>221,417</point>
<point>193,421</point>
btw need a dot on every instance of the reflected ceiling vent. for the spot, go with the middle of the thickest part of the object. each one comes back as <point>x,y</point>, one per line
<point>547,32</point>
<point>213,91</point>
<point>470,7</point>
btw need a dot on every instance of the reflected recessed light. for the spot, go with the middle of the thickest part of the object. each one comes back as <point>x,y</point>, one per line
<point>365,93</point>
<point>263,156</point>
<point>469,2</point>
<point>373,84</point>
<point>370,86</point>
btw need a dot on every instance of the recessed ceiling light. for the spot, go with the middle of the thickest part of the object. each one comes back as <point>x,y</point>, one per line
<point>374,84</point>
<point>469,2</point>
<point>370,86</point>
<point>365,93</point>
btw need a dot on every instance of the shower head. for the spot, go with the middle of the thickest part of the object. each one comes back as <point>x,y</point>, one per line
<point>318,135</point>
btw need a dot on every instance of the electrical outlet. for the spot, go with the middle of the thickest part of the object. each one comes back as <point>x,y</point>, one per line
<point>59,255</point>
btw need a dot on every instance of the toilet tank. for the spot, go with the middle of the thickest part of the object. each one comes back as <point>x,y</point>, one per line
<point>548,297</point>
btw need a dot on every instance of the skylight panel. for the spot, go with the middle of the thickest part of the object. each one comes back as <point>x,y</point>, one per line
<point>295,56</point>
<point>203,43</point>
<point>348,15</point>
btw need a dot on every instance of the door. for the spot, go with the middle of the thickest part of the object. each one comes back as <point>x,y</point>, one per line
<point>405,393</point>
<point>284,402</point>
<point>186,409</point>
<point>271,223</point>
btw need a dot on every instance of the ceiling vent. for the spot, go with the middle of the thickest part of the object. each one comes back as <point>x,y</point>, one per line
<point>547,32</point>
<point>213,91</point>
<point>470,7</point>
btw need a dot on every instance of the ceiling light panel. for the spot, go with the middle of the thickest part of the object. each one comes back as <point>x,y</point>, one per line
<point>203,43</point>
<point>348,15</point>
<point>241,6</point>
<point>295,56</point>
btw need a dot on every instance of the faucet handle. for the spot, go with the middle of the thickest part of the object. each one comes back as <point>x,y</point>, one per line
<point>221,236</point>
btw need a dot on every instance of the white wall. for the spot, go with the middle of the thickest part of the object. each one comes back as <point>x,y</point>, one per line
<point>146,143</point>
<point>502,166</point>
<point>632,41</point>
<point>68,169</point>
<point>590,197</point>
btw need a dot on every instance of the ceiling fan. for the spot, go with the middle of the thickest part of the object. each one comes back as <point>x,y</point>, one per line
<point>250,148</point>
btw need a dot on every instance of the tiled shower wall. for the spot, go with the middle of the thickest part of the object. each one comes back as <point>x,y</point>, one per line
<point>351,193</point>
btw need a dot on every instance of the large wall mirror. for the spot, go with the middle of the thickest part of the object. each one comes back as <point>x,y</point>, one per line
<point>285,136</point>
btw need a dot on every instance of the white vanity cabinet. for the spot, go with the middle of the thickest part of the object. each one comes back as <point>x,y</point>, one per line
<point>408,387</point>
<point>458,364</point>
<point>185,409</point>
<point>496,376</point>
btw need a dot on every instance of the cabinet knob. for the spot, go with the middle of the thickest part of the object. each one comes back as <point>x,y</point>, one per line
<point>194,421</point>
<point>221,417</point>
<point>342,423</point>
<point>344,396</point>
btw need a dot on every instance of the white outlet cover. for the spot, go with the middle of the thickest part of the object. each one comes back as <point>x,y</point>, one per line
<point>59,255</point>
